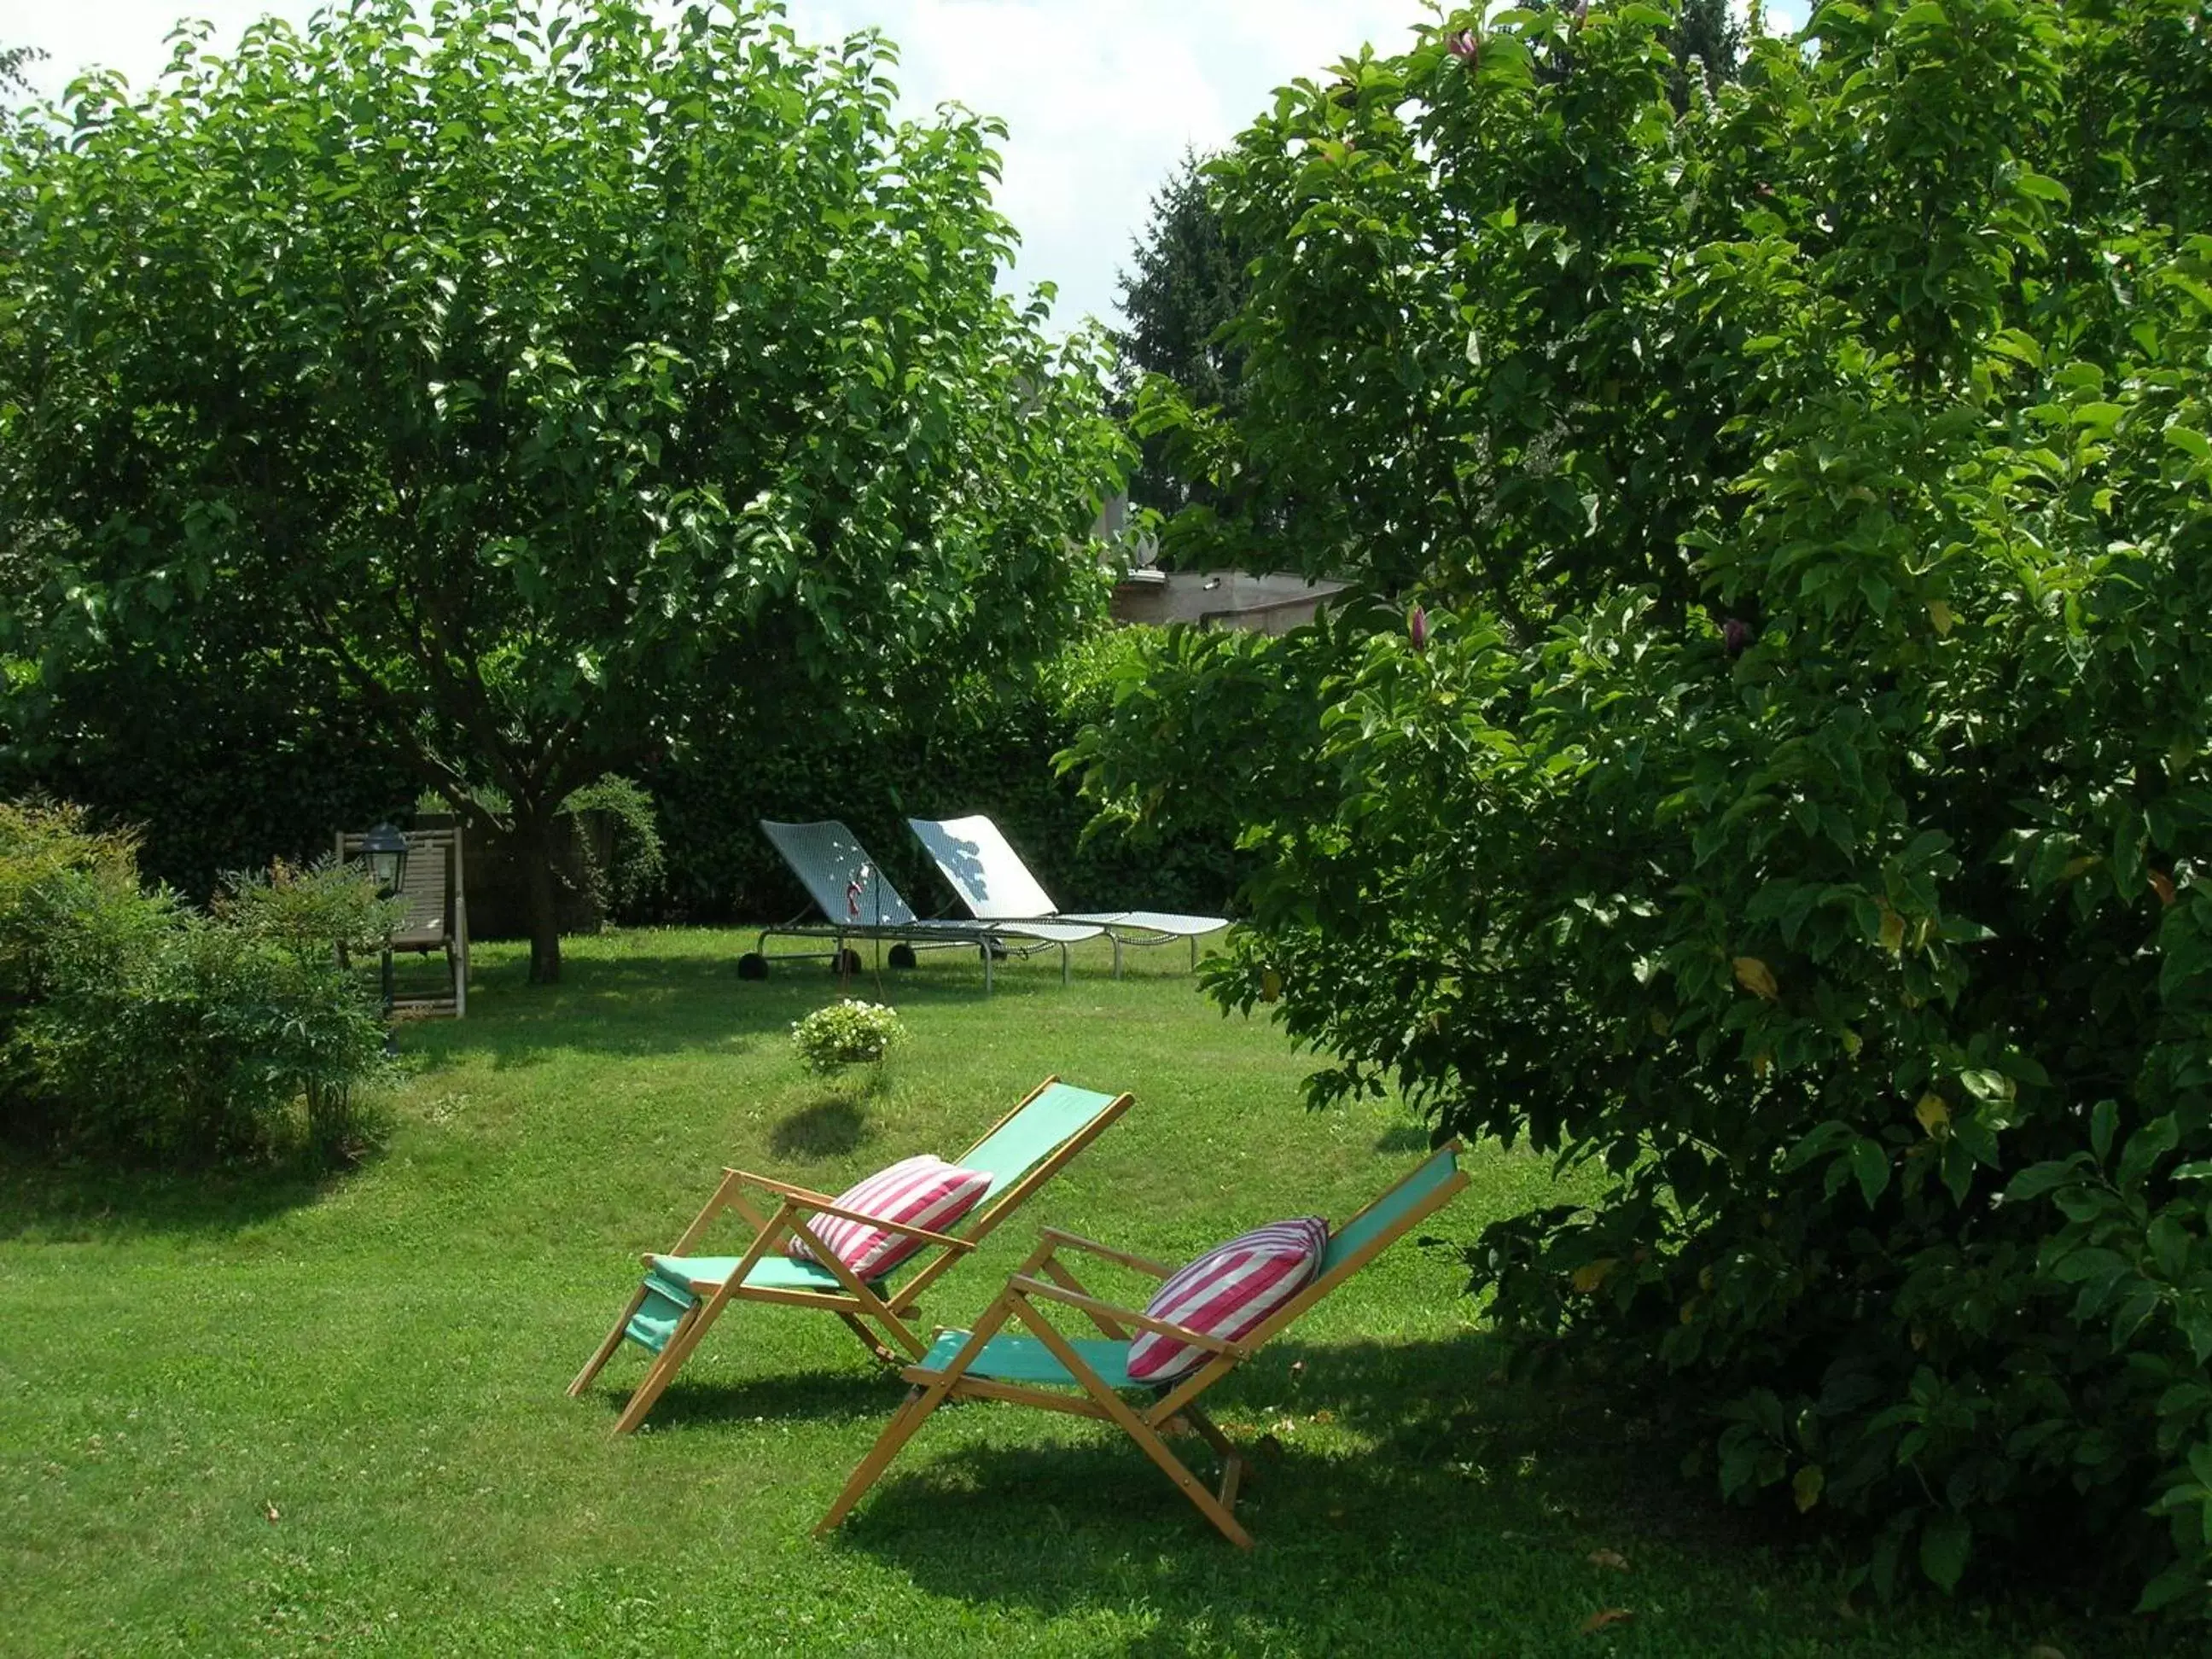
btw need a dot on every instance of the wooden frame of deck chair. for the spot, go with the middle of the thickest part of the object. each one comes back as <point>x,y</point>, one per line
<point>684,1294</point>
<point>982,1365</point>
<point>435,916</point>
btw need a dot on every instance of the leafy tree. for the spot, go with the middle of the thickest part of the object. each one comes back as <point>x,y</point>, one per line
<point>1791,797</point>
<point>1706,30</point>
<point>12,60</point>
<point>539,377</point>
<point>1188,282</point>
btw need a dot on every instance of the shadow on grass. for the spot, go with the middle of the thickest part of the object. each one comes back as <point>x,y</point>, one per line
<point>645,1004</point>
<point>61,1201</point>
<point>854,1396</point>
<point>828,1129</point>
<point>1470,1487</point>
<point>1405,1138</point>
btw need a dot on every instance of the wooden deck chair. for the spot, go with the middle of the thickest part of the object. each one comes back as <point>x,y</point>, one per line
<point>436,915</point>
<point>1038,1370</point>
<point>682,1293</point>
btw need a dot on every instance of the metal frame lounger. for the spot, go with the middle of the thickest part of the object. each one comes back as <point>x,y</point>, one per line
<point>682,1293</point>
<point>857,902</point>
<point>996,886</point>
<point>1039,1369</point>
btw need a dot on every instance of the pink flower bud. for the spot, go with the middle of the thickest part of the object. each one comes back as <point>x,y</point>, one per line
<point>1417,629</point>
<point>1465,45</point>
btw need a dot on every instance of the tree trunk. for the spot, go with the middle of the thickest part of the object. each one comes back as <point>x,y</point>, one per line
<point>536,841</point>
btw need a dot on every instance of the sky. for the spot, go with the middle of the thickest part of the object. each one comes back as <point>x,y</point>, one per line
<point>1100,98</point>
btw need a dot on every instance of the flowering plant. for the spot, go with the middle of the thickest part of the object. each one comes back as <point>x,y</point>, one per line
<point>845,1033</point>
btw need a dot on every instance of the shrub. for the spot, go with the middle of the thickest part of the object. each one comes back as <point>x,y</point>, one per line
<point>137,1026</point>
<point>847,1033</point>
<point>1795,802</point>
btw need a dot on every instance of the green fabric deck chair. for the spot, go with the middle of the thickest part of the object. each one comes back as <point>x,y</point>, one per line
<point>1087,1377</point>
<point>683,1293</point>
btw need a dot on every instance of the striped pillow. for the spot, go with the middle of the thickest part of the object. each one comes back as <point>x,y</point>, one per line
<point>1229,1292</point>
<point>923,1192</point>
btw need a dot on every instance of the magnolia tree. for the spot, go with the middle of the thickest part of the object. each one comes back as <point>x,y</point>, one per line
<point>1790,792</point>
<point>536,377</point>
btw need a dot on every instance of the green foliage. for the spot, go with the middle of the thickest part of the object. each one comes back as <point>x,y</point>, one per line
<point>849,1032</point>
<point>1795,808</point>
<point>1187,283</point>
<point>526,377</point>
<point>638,862</point>
<point>12,60</point>
<point>134,1025</point>
<point>629,875</point>
<point>218,764</point>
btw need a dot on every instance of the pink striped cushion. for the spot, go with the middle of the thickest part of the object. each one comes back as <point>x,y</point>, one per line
<point>1228,1292</point>
<point>923,1192</point>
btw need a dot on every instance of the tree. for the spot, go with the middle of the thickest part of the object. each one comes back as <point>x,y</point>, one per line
<point>542,378</point>
<point>1789,799</point>
<point>1188,282</point>
<point>12,60</point>
<point>1705,30</point>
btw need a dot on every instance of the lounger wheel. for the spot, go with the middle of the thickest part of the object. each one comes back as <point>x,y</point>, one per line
<point>846,962</point>
<point>902,956</point>
<point>752,965</point>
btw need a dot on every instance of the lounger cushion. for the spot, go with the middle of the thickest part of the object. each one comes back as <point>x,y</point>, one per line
<point>1229,1292</point>
<point>922,1192</point>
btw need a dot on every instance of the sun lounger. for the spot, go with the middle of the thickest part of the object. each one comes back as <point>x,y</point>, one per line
<point>996,886</point>
<point>858,901</point>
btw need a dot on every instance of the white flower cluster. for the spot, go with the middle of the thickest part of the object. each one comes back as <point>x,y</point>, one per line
<point>845,1033</point>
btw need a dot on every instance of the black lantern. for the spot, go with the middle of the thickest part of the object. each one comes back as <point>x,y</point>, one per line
<point>385,849</point>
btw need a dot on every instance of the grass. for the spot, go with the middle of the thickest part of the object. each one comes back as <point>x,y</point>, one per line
<point>270,1415</point>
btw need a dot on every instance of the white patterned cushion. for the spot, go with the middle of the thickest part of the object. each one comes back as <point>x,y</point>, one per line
<point>1228,1292</point>
<point>922,1192</point>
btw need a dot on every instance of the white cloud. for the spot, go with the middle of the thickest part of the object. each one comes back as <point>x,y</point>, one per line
<point>1100,99</point>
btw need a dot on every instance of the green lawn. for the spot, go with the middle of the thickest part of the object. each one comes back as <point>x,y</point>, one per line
<point>272,1417</point>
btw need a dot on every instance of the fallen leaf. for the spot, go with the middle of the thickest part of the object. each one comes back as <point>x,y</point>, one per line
<point>1606,1618</point>
<point>1324,1417</point>
<point>269,1509</point>
<point>1756,977</point>
<point>1612,1559</point>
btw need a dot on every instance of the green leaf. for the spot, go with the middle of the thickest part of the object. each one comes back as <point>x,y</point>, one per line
<point>1945,1543</point>
<point>2103,1120</point>
<point>1870,1163</point>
